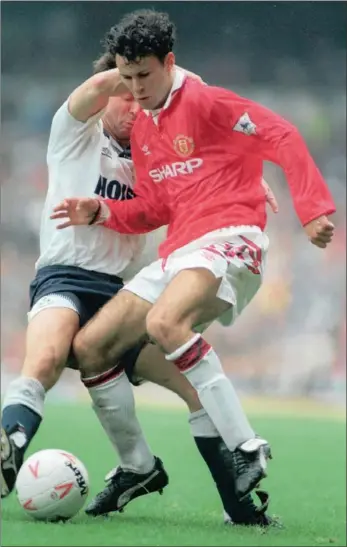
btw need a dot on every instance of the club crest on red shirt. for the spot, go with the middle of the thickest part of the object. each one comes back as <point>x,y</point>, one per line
<point>184,146</point>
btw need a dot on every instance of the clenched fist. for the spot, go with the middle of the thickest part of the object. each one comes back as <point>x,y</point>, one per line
<point>320,231</point>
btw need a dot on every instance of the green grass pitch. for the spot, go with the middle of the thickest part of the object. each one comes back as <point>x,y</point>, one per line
<point>307,481</point>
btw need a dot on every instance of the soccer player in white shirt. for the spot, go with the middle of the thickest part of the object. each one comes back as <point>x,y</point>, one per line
<point>78,271</point>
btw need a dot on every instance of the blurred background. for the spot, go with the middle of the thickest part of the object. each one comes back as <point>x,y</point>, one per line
<point>290,56</point>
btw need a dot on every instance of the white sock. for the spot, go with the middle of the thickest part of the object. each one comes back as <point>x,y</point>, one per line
<point>201,424</point>
<point>114,405</point>
<point>28,392</point>
<point>200,364</point>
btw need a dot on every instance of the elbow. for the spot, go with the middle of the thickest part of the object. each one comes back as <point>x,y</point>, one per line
<point>101,83</point>
<point>107,82</point>
<point>294,134</point>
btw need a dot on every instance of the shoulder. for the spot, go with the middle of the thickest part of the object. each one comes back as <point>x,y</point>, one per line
<point>219,95</point>
<point>63,118</point>
<point>65,129</point>
<point>204,98</point>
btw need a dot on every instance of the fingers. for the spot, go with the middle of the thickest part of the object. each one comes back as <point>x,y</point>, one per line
<point>60,214</point>
<point>270,196</point>
<point>272,202</point>
<point>324,226</point>
<point>327,224</point>
<point>64,225</point>
<point>325,238</point>
<point>328,230</point>
<point>322,239</point>
<point>318,243</point>
<point>326,233</point>
<point>63,205</point>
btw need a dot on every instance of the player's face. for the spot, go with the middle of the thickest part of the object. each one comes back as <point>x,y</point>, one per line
<point>121,114</point>
<point>148,79</point>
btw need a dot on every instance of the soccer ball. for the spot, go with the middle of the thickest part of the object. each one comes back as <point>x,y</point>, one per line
<point>52,485</point>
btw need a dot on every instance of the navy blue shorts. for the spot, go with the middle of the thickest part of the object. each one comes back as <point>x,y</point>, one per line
<point>86,291</point>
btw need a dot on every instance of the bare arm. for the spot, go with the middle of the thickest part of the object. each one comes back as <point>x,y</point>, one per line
<point>93,95</point>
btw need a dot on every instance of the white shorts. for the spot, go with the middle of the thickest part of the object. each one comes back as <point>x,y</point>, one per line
<point>235,254</point>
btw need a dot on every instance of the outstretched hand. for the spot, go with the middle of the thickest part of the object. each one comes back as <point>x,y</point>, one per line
<point>76,211</point>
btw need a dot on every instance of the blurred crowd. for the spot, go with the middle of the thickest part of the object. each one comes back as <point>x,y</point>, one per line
<point>291,339</point>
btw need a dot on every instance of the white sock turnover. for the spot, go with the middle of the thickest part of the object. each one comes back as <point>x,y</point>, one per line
<point>200,364</point>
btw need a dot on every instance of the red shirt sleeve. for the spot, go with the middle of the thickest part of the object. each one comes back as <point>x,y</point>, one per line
<point>147,211</point>
<point>254,129</point>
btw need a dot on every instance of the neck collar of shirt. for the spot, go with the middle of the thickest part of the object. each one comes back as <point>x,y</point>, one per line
<point>178,80</point>
<point>122,152</point>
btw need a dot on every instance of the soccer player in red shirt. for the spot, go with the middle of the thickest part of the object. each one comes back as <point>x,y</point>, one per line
<point>198,152</point>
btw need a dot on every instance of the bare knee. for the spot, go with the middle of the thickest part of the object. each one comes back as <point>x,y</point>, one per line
<point>98,351</point>
<point>46,366</point>
<point>90,357</point>
<point>158,327</point>
<point>167,331</point>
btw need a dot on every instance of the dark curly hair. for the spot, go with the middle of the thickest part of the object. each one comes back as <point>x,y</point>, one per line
<point>103,63</point>
<point>141,33</point>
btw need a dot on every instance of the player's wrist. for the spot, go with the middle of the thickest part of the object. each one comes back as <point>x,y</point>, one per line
<point>316,216</point>
<point>101,214</point>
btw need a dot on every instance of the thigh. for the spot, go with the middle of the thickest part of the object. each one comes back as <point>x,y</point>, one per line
<point>191,298</point>
<point>48,342</point>
<point>116,327</point>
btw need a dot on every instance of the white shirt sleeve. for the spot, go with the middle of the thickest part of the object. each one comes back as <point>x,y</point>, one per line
<point>68,136</point>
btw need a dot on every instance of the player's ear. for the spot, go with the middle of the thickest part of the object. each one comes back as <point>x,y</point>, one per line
<point>169,61</point>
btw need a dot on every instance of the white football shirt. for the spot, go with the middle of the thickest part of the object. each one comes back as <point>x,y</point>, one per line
<point>83,161</point>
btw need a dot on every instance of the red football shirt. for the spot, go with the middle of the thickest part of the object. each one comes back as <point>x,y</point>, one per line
<point>199,168</point>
